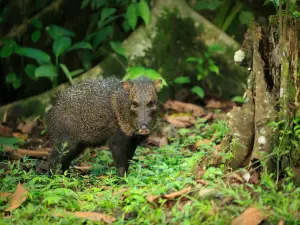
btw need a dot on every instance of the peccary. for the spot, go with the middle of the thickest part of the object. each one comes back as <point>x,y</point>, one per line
<point>97,111</point>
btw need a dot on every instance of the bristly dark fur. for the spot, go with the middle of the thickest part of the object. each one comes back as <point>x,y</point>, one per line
<point>95,111</point>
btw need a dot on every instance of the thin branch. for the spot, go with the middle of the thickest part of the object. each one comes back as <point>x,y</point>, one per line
<point>20,30</point>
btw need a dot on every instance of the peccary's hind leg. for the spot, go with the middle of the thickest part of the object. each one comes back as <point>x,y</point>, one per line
<point>118,144</point>
<point>62,155</point>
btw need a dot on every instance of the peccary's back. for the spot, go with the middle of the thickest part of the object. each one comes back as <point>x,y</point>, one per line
<point>83,112</point>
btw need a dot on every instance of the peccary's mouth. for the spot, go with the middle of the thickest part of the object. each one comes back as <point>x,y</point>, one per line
<point>144,131</point>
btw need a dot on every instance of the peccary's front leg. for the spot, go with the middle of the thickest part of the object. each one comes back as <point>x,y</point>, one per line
<point>132,145</point>
<point>119,144</point>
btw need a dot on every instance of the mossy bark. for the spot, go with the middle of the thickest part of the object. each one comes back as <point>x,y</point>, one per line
<point>272,98</point>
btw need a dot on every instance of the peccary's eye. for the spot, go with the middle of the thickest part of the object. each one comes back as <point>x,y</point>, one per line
<point>134,104</point>
<point>151,103</point>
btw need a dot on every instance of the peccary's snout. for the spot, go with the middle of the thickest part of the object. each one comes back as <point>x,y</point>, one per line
<point>144,129</point>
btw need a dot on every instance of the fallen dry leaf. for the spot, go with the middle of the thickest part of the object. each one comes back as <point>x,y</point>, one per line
<point>5,131</point>
<point>173,195</point>
<point>94,216</point>
<point>152,198</point>
<point>251,216</point>
<point>215,104</point>
<point>178,193</point>
<point>281,222</point>
<point>5,194</point>
<point>202,142</point>
<point>20,135</point>
<point>20,153</point>
<point>27,126</point>
<point>180,121</point>
<point>178,106</point>
<point>83,167</point>
<point>17,198</point>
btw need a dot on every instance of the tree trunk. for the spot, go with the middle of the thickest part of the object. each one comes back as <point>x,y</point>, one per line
<point>264,128</point>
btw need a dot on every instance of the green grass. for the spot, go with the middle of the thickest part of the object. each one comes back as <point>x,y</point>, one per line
<point>156,171</point>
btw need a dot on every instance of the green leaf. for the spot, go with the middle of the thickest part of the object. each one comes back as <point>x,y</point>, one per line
<point>10,78</point>
<point>182,80</point>
<point>30,71</point>
<point>7,50</point>
<point>208,5</point>
<point>56,32</point>
<point>238,99</point>
<point>96,4</point>
<point>192,59</point>
<point>126,26</point>
<point>131,15</point>
<point>145,11</point>
<point>17,83</point>
<point>37,23</point>
<point>214,48</point>
<point>61,45</point>
<point>116,46</point>
<point>214,68</point>
<point>105,13</point>
<point>81,45</point>
<point>134,72</point>
<point>76,72</point>
<point>84,4</point>
<point>199,91</point>
<point>246,17</point>
<point>33,53</point>
<point>102,35</point>
<point>35,36</point>
<point>87,60</point>
<point>9,141</point>
<point>67,72</point>
<point>47,70</point>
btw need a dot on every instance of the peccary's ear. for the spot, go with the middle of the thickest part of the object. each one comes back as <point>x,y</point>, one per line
<point>126,85</point>
<point>157,84</point>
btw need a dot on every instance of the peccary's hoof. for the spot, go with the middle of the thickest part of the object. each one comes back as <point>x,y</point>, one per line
<point>121,171</point>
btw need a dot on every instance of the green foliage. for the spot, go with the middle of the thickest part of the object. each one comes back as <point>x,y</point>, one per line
<point>145,11</point>
<point>30,71</point>
<point>37,24</point>
<point>40,56</point>
<point>238,99</point>
<point>198,90</point>
<point>7,49</point>
<point>69,74</point>
<point>116,46</point>
<point>104,15</point>
<point>182,80</point>
<point>61,45</point>
<point>204,66</point>
<point>46,70</point>
<point>132,15</point>
<point>9,142</point>
<point>294,8</point>
<point>155,172</point>
<point>208,5</point>
<point>134,72</point>
<point>13,79</point>
<point>246,17</point>
<point>57,32</point>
